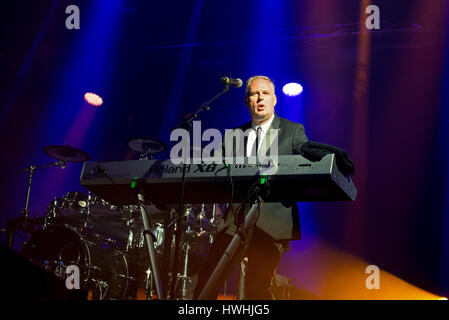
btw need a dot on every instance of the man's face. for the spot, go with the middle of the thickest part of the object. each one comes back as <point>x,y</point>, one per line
<point>261,100</point>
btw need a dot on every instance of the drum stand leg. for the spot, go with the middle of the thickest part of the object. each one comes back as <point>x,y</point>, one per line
<point>149,285</point>
<point>88,210</point>
<point>150,247</point>
<point>184,282</point>
<point>242,278</point>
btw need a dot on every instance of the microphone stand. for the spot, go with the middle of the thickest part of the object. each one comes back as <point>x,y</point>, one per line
<point>186,123</point>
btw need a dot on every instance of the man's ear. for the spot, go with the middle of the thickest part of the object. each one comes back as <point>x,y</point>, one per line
<point>275,100</point>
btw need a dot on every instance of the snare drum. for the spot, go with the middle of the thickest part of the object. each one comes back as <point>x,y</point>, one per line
<point>103,268</point>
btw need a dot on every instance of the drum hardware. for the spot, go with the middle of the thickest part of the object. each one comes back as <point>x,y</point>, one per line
<point>62,153</point>
<point>31,169</point>
<point>100,285</point>
<point>91,267</point>
<point>194,232</point>
<point>149,284</point>
<point>75,200</point>
<point>184,287</point>
<point>105,239</point>
<point>146,146</point>
<point>108,205</point>
<point>212,220</point>
<point>136,242</point>
<point>90,202</point>
<point>51,212</point>
<point>184,281</point>
<point>60,270</point>
<point>129,242</point>
<point>200,219</point>
<point>103,268</point>
<point>66,153</point>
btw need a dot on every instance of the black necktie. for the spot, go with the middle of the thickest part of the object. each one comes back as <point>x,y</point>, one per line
<point>255,149</point>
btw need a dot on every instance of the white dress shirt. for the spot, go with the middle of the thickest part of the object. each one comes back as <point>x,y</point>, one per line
<point>252,135</point>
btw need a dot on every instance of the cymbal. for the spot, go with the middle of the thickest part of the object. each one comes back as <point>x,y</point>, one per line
<point>146,145</point>
<point>66,153</point>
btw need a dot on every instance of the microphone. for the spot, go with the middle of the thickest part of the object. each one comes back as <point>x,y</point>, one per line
<point>232,82</point>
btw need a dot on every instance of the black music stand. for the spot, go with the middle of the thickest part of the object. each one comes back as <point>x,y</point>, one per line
<point>250,221</point>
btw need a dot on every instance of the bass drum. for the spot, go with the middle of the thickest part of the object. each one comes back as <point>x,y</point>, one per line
<point>104,271</point>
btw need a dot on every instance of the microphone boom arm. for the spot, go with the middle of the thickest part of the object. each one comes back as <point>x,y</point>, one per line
<point>187,120</point>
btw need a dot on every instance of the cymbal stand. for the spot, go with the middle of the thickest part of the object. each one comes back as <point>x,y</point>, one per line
<point>145,154</point>
<point>213,223</point>
<point>184,282</point>
<point>52,212</point>
<point>22,221</point>
<point>90,202</point>
<point>31,169</point>
<point>149,284</point>
<point>200,218</point>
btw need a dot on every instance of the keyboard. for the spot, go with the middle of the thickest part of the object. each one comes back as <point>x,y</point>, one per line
<point>292,178</point>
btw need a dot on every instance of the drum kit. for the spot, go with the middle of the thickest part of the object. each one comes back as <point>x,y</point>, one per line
<point>107,244</point>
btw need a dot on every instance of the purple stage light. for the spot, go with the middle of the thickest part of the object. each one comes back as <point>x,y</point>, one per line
<point>292,89</point>
<point>93,99</point>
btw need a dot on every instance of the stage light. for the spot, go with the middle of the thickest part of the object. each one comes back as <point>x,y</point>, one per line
<point>93,99</point>
<point>292,89</point>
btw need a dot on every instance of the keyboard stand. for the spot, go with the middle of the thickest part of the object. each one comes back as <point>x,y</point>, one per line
<point>250,221</point>
<point>150,245</point>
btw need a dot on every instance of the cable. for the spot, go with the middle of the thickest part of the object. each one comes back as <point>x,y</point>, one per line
<point>229,176</point>
<point>253,190</point>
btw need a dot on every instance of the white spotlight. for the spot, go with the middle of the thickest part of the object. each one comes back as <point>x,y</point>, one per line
<point>292,89</point>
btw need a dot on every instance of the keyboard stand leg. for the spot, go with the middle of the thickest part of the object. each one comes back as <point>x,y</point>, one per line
<point>150,246</point>
<point>250,220</point>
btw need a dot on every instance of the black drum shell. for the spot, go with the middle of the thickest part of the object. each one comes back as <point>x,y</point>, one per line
<point>99,261</point>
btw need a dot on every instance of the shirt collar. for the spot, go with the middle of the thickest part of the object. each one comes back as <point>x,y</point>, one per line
<point>265,126</point>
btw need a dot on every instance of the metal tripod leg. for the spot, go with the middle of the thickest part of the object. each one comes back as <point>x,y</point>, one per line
<point>250,220</point>
<point>150,247</point>
<point>242,279</point>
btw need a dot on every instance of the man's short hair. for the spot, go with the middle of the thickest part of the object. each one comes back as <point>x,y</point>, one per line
<point>250,80</point>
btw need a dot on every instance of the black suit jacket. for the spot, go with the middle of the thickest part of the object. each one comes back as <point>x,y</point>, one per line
<point>280,222</point>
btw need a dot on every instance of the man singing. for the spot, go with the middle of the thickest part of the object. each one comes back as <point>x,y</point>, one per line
<point>276,224</point>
